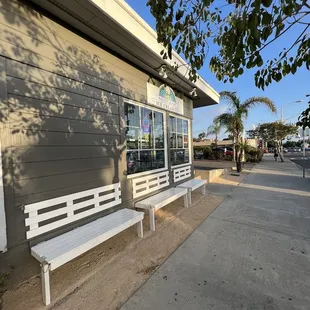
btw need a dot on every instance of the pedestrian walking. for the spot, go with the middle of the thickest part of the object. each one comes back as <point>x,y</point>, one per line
<point>276,154</point>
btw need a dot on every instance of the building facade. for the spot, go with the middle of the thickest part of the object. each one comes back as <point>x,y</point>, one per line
<point>84,104</point>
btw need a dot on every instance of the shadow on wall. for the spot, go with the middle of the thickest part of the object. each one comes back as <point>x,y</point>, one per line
<point>62,119</point>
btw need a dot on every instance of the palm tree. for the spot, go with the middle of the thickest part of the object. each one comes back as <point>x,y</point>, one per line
<point>214,130</point>
<point>233,120</point>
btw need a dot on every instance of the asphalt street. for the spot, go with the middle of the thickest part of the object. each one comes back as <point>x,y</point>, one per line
<point>298,159</point>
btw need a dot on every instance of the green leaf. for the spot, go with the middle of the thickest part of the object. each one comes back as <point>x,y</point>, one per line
<point>267,18</point>
<point>179,15</point>
<point>259,61</point>
<point>279,29</point>
<point>266,3</point>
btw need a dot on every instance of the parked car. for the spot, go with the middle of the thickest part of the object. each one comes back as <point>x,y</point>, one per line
<point>229,151</point>
<point>285,150</point>
<point>198,155</point>
<point>225,150</point>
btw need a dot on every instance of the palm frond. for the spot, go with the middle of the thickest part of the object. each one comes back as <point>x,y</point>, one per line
<point>232,122</point>
<point>213,129</point>
<point>231,97</point>
<point>256,101</point>
<point>224,119</point>
<point>210,130</point>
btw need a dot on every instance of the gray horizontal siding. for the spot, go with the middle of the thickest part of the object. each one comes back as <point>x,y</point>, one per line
<point>39,76</point>
<point>39,41</point>
<point>62,125</point>
<point>66,189</point>
<point>18,86</point>
<point>24,104</point>
<point>52,138</point>
<point>33,154</point>
<point>102,121</point>
<point>54,182</point>
<point>29,170</point>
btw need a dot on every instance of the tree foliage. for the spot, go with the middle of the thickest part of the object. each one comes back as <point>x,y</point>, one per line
<point>233,120</point>
<point>242,29</point>
<point>214,130</point>
<point>304,118</point>
<point>273,132</point>
<point>202,135</point>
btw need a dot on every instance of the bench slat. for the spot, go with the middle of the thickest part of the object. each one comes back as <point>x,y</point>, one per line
<point>55,201</point>
<point>70,208</point>
<point>60,243</point>
<point>144,185</point>
<point>181,173</point>
<point>64,248</point>
<point>162,199</point>
<point>50,214</point>
<point>70,219</point>
<point>193,184</point>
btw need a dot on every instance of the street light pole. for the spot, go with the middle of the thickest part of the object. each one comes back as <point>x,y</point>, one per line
<point>304,153</point>
<point>282,117</point>
<point>282,120</point>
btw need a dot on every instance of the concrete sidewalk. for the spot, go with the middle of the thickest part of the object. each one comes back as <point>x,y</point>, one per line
<point>253,252</point>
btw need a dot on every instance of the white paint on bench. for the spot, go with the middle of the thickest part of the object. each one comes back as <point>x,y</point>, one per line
<point>3,237</point>
<point>182,173</point>
<point>193,184</point>
<point>70,208</point>
<point>150,183</point>
<point>60,250</point>
<point>160,200</point>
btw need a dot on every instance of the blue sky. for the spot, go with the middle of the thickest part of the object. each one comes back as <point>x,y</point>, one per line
<point>290,88</point>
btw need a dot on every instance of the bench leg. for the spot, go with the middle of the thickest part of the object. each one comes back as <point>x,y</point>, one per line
<point>152,218</point>
<point>45,278</point>
<point>204,188</point>
<point>189,197</point>
<point>140,229</point>
<point>186,200</point>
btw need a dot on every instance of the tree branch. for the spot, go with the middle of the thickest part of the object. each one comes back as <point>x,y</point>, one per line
<point>275,38</point>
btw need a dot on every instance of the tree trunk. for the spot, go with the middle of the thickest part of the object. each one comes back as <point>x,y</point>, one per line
<point>278,147</point>
<point>280,154</point>
<point>239,166</point>
<point>238,154</point>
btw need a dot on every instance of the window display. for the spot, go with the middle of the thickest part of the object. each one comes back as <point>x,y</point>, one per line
<point>179,146</point>
<point>145,139</point>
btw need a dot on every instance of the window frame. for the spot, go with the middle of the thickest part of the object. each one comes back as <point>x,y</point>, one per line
<point>146,106</point>
<point>190,162</point>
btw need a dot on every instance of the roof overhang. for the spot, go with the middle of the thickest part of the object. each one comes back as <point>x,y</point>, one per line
<point>114,24</point>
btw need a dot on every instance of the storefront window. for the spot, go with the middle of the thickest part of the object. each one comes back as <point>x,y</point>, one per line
<point>144,138</point>
<point>179,146</point>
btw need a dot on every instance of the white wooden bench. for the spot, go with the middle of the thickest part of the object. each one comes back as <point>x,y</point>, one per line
<point>160,200</point>
<point>50,214</point>
<point>60,250</point>
<point>150,183</point>
<point>193,184</point>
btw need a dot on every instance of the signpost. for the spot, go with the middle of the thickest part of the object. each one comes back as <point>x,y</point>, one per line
<point>304,133</point>
<point>304,153</point>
